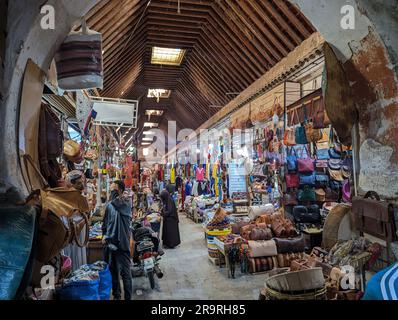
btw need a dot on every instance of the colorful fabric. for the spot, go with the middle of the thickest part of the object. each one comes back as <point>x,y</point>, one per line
<point>172,175</point>
<point>200,172</point>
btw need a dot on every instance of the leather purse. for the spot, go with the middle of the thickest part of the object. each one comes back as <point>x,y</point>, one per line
<point>321,180</point>
<point>289,138</point>
<point>265,218</point>
<point>334,164</point>
<point>282,227</point>
<point>290,245</point>
<point>64,212</point>
<point>307,194</point>
<point>236,227</point>
<point>290,199</point>
<point>312,134</point>
<point>307,180</point>
<point>335,185</point>
<point>300,135</point>
<point>320,195</point>
<point>336,175</point>
<point>305,165</point>
<point>333,154</point>
<point>265,248</point>
<point>261,234</point>
<point>322,154</point>
<point>373,216</point>
<point>291,160</point>
<point>310,214</point>
<point>292,180</point>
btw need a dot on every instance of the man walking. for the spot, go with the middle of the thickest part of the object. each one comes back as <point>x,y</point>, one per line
<point>116,236</point>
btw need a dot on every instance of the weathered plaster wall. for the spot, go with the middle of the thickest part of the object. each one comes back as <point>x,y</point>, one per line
<point>26,39</point>
<point>369,56</point>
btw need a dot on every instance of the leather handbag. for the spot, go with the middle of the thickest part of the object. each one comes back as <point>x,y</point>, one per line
<point>305,165</point>
<point>246,230</point>
<point>307,180</point>
<point>312,134</point>
<point>334,164</point>
<point>261,234</point>
<point>331,195</point>
<point>282,227</point>
<point>289,138</point>
<point>265,218</point>
<point>336,175</point>
<point>322,154</point>
<point>290,245</point>
<point>320,195</point>
<point>265,248</point>
<point>373,216</point>
<point>290,199</point>
<point>335,185</point>
<point>64,213</point>
<point>291,160</point>
<point>310,214</point>
<point>321,180</point>
<point>292,180</point>
<point>236,227</point>
<point>301,137</point>
<point>333,154</point>
<point>306,195</point>
<point>50,145</point>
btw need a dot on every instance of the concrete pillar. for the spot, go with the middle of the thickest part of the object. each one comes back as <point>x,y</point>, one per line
<point>369,57</point>
<point>26,39</point>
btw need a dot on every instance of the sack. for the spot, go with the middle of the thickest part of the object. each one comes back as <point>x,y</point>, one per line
<point>307,180</point>
<point>320,195</point>
<point>261,234</point>
<point>306,195</point>
<point>80,290</point>
<point>291,161</point>
<point>331,195</point>
<point>373,216</point>
<point>262,249</point>
<point>289,138</point>
<point>289,245</point>
<point>310,214</point>
<point>300,135</point>
<point>64,214</point>
<point>290,199</point>
<point>292,180</point>
<point>336,175</point>
<point>321,180</point>
<point>50,145</point>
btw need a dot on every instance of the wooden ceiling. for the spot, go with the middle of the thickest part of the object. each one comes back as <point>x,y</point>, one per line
<point>229,44</point>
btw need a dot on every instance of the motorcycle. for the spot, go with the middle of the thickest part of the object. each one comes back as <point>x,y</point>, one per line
<point>146,256</point>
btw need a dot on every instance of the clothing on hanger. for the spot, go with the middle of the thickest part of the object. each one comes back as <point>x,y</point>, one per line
<point>200,172</point>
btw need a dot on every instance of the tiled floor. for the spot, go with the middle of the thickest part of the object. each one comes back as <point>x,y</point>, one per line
<point>188,273</point>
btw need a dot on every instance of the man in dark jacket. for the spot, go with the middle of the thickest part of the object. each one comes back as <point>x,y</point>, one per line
<point>116,235</point>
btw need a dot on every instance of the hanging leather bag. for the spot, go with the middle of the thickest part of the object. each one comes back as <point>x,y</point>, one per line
<point>291,160</point>
<point>307,179</point>
<point>331,195</point>
<point>50,145</point>
<point>292,180</point>
<point>320,195</point>
<point>321,180</point>
<point>307,194</point>
<point>373,216</point>
<point>290,199</point>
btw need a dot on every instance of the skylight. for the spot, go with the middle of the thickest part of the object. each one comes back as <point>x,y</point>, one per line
<point>153,112</point>
<point>147,139</point>
<point>158,93</point>
<point>167,56</point>
<point>145,143</point>
<point>149,133</point>
<point>151,124</point>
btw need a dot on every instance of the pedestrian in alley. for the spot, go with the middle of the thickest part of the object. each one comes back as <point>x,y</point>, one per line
<point>170,231</point>
<point>116,236</point>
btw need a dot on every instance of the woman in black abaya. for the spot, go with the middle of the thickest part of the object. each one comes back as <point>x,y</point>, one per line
<point>170,231</point>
